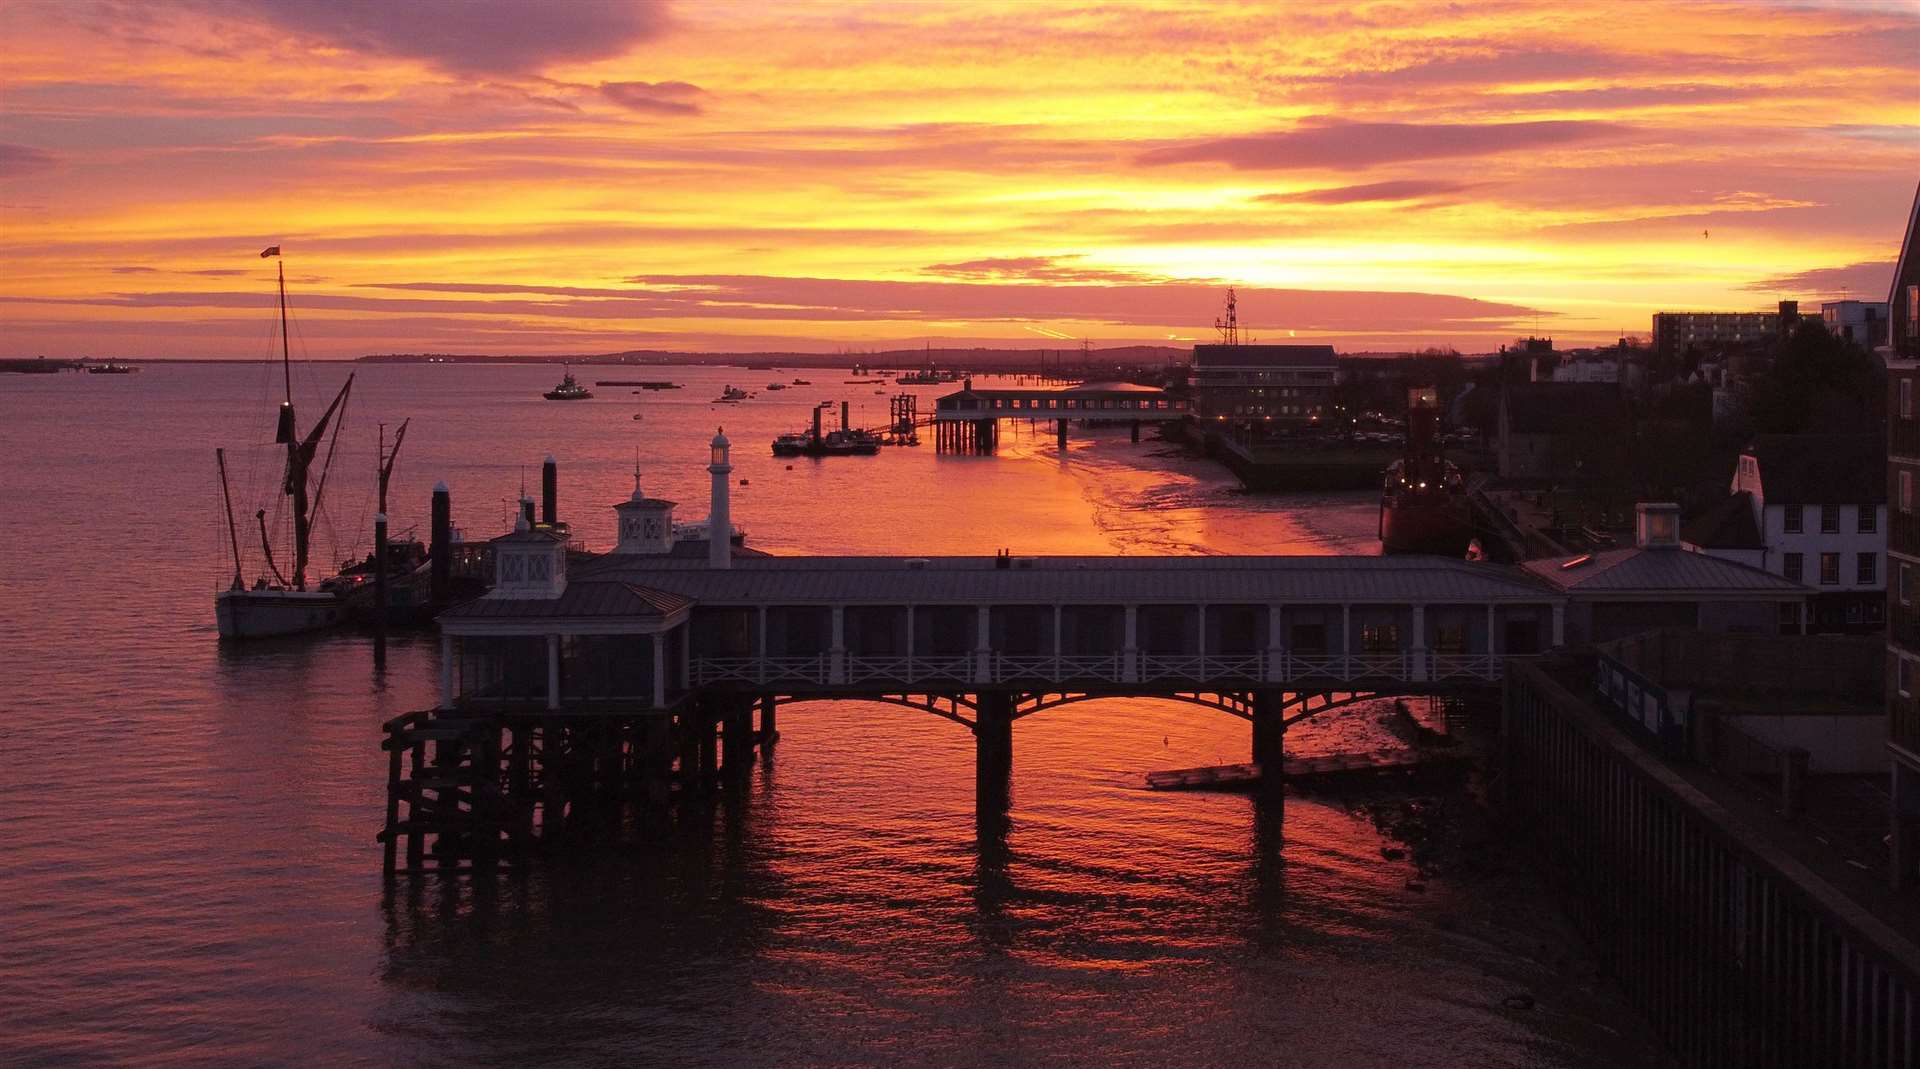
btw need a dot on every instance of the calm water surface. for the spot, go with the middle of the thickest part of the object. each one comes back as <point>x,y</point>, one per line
<point>188,874</point>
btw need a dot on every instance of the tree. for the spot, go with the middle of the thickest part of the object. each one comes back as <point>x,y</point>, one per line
<point>1818,383</point>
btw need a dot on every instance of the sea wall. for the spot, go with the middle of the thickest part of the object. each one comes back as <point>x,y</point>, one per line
<point>1736,953</point>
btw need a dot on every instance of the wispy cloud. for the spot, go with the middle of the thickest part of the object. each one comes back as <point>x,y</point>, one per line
<point>1863,281</point>
<point>500,36</point>
<point>660,98</point>
<point>1404,189</point>
<point>1325,145</point>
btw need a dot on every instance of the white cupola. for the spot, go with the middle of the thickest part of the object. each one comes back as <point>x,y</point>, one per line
<point>646,523</point>
<point>529,564</point>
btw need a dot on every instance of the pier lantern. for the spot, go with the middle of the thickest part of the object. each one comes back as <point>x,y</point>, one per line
<point>720,512</point>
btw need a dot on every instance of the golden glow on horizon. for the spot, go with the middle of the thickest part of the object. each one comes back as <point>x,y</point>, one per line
<point>975,173</point>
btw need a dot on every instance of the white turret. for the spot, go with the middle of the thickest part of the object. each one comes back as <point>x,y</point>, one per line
<point>719,513</point>
<point>646,523</point>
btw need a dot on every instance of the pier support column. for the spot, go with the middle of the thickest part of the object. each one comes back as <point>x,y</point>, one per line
<point>737,751</point>
<point>993,752</point>
<point>704,729</point>
<point>1276,667</point>
<point>1130,651</point>
<point>1060,433</point>
<point>1136,430</point>
<point>446,671</point>
<point>769,731</point>
<point>553,671</point>
<point>983,647</point>
<point>656,762</point>
<point>837,653</point>
<point>1417,648</point>
<point>1269,736</point>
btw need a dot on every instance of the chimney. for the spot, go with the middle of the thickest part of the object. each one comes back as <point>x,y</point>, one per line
<point>440,550</point>
<point>549,491</point>
<point>720,512</point>
<point>526,512</point>
<point>1656,525</point>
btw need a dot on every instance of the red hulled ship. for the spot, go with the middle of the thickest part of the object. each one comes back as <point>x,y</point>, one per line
<point>1423,506</point>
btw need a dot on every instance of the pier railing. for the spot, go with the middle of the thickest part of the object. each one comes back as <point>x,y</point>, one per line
<point>846,669</point>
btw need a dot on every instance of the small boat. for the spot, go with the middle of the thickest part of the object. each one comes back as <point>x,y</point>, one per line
<point>659,385</point>
<point>568,390</point>
<point>283,606</point>
<point>802,382</point>
<point>636,417</point>
<point>776,385</point>
<point>110,368</point>
<point>730,394</point>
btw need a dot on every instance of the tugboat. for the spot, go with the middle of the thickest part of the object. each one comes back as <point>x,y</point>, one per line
<point>282,605</point>
<point>568,390</point>
<point>730,395</point>
<point>1423,505</point>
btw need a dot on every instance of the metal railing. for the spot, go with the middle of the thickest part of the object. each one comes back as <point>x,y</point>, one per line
<point>1277,667</point>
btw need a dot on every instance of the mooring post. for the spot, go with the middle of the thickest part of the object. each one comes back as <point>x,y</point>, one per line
<point>993,751</point>
<point>1136,431</point>
<point>1060,431</point>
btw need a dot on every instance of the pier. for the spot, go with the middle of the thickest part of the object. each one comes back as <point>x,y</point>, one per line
<point>965,422</point>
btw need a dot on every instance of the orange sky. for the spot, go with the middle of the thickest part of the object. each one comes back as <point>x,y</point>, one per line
<point>585,177</point>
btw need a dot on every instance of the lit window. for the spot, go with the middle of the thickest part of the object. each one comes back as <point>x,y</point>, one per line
<point>1793,522</point>
<point>1867,572</point>
<point>1790,566</point>
<point>1829,569</point>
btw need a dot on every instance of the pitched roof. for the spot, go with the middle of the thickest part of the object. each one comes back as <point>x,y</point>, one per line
<point>1727,525</point>
<point>1821,469</point>
<point>589,598</point>
<point>1632,570</point>
<point>1084,580</point>
<point>1265,356</point>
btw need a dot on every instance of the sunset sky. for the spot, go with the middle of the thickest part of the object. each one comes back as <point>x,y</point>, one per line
<point>521,177</point>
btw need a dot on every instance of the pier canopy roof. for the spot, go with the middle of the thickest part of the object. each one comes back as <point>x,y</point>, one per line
<point>583,599</point>
<point>1663,571</point>
<point>1079,580</point>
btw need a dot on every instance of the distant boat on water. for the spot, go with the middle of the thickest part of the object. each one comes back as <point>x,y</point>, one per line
<point>568,390</point>
<point>282,605</point>
<point>110,368</point>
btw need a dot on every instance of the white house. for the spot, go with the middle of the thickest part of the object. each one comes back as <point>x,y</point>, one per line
<point>1811,508</point>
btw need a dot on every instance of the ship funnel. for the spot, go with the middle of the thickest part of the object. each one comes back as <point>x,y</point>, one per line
<point>550,491</point>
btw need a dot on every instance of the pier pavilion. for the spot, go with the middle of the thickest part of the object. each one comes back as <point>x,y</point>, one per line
<point>568,690</point>
<point>964,421</point>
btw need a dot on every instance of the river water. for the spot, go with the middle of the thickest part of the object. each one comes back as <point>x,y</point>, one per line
<point>188,874</point>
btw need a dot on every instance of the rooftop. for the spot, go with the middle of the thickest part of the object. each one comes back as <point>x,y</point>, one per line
<point>1653,571</point>
<point>1821,469</point>
<point>1205,356</point>
<point>1727,525</point>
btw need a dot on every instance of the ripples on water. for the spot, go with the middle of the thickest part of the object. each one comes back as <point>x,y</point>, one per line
<point>187,867</point>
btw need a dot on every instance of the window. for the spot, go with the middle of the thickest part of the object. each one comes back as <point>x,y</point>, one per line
<point>1906,491</point>
<point>1903,676</point>
<point>1792,521</point>
<point>1380,638</point>
<point>1869,519</point>
<point>1905,584</point>
<point>1829,569</point>
<point>1829,519</point>
<point>1906,398</point>
<point>1790,566</point>
<point>1867,571</point>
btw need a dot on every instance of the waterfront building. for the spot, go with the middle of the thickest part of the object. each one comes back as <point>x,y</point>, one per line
<point>1656,583</point>
<point>1862,322</point>
<point>1262,387</point>
<point>1557,430</point>
<point>1811,508</point>
<point>1675,332</point>
<point>1902,356</point>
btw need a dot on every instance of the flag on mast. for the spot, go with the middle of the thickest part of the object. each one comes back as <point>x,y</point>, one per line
<point>271,250</point>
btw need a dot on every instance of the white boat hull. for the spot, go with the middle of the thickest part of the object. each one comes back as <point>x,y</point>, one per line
<point>261,613</point>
